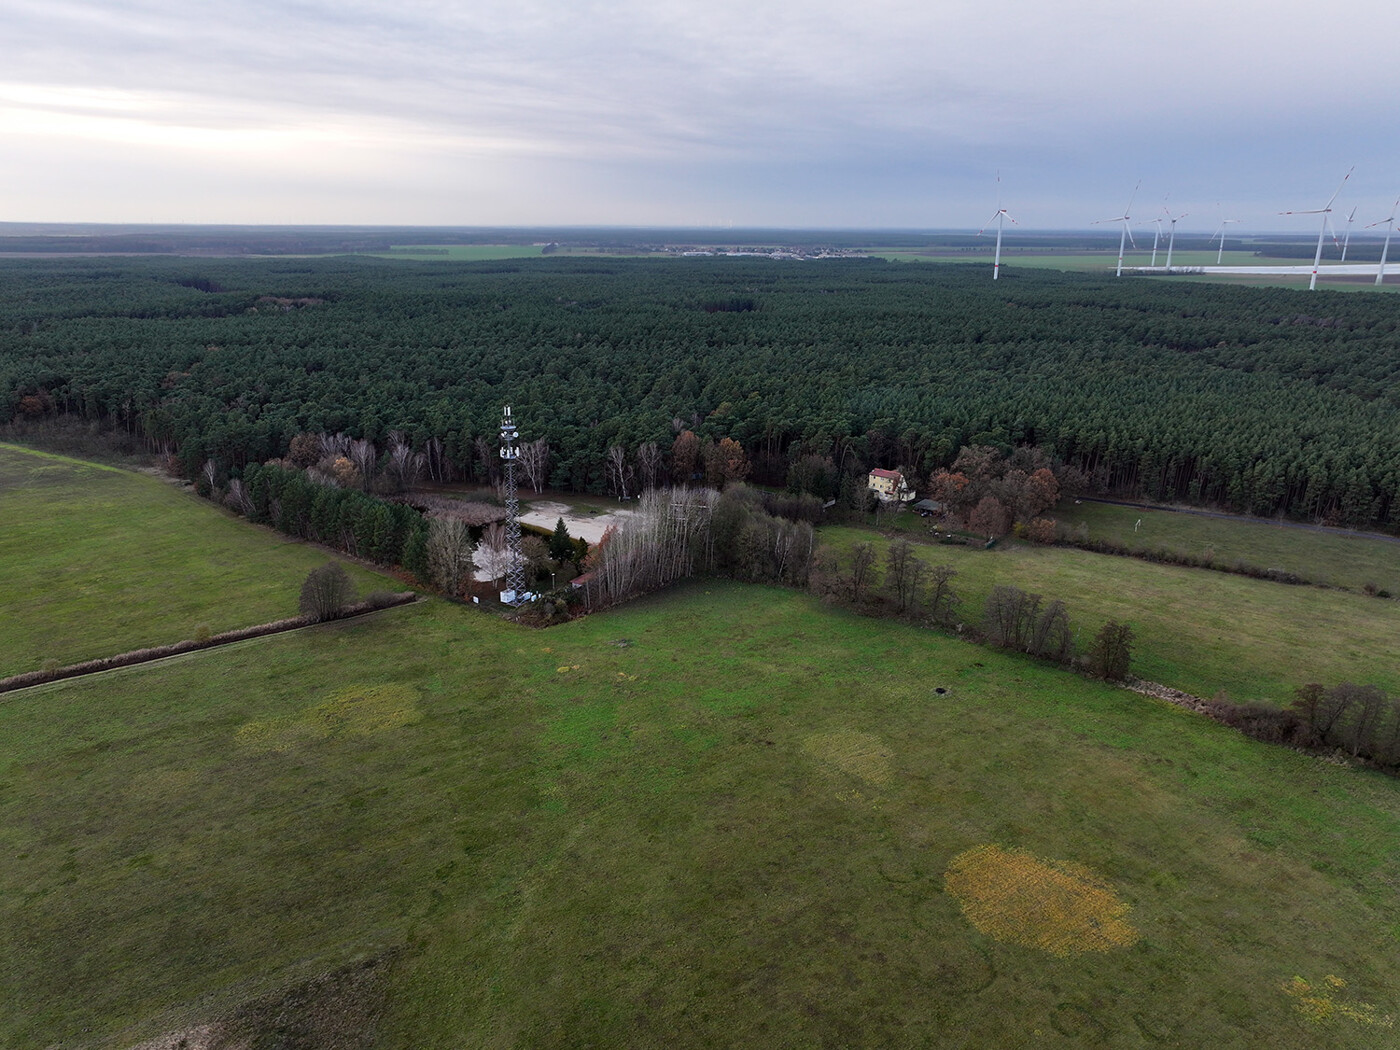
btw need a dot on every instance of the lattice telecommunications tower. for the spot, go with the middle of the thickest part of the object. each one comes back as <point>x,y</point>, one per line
<point>515,593</point>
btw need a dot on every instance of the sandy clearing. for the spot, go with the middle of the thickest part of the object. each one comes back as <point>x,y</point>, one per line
<point>545,514</point>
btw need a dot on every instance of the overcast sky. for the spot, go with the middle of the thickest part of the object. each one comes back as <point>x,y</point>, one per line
<point>800,113</point>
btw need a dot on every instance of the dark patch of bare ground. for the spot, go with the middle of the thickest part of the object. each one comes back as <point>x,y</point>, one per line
<point>339,1010</point>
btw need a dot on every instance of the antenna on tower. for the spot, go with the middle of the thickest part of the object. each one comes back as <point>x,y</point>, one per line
<point>515,593</point>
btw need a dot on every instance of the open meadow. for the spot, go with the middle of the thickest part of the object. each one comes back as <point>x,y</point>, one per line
<point>99,561</point>
<point>722,815</point>
<point>1336,558</point>
<point>1196,630</point>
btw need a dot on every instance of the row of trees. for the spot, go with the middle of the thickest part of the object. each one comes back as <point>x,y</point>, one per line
<point>1195,393</point>
<point>679,532</point>
<point>911,588</point>
<point>1361,720</point>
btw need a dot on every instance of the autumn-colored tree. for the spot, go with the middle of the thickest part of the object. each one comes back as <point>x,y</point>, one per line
<point>1046,489</point>
<point>305,450</point>
<point>989,518</point>
<point>32,406</point>
<point>726,462</point>
<point>951,489</point>
<point>685,454</point>
<point>345,473</point>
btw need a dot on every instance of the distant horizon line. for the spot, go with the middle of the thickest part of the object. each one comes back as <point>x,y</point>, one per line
<point>33,228</point>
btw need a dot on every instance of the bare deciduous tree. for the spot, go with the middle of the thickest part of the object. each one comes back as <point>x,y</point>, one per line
<point>899,568</point>
<point>363,454</point>
<point>326,592</point>
<point>665,540</point>
<point>334,445</point>
<point>434,453</point>
<point>237,497</point>
<point>942,599</point>
<point>402,466</point>
<point>534,461</point>
<point>649,464</point>
<point>862,561</point>
<point>450,553</point>
<point>619,471</point>
<point>493,556</point>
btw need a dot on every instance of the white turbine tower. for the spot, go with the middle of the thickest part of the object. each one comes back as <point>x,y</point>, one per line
<point>1221,234</point>
<point>1347,239</point>
<point>1389,221</point>
<point>1322,231</point>
<point>1001,215</point>
<point>1171,240</point>
<point>1156,236</point>
<point>1127,234</point>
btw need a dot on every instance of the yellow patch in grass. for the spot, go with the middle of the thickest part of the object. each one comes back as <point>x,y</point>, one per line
<point>357,711</point>
<point>1057,906</point>
<point>1325,1004</point>
<point>858,754</point>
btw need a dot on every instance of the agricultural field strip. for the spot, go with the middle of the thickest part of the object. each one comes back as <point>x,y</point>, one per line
<point>1328,557</point>
<point>100,561</point>
<point>1197,630</point>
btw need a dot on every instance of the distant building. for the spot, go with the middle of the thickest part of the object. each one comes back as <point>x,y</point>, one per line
<point>889,486</point>
<point>925,507</point>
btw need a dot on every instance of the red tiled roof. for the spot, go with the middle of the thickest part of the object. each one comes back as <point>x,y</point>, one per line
<point>893,475</point>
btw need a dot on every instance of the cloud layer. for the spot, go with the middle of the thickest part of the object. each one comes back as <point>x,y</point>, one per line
<point>815,113</point>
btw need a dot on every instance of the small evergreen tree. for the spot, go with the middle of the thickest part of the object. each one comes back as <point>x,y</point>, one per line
<point>561,548</point>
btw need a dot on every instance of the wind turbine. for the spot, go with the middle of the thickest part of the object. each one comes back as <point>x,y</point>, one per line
<point>1347,239</point>
<point>1389,225</point>
<point>1324,212</point>
<point>1127,234</point>
<point>1171,241</point>
<point>1221,232</point>
<point>1001,215</point>
<point>1156,236</point>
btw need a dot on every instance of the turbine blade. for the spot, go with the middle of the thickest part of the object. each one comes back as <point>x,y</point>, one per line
<point>1339,187</point>
<point>1129,209</point>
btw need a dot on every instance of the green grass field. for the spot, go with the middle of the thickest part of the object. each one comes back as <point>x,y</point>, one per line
<point>1197,630</point>
<point>722,816</point>
<point>1337,559</point>
<point>98,561</point>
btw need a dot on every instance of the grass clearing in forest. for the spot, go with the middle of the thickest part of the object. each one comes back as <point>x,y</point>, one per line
<point>1338,559</point>
<point>1195,630</point>
<point>99,561</point>
<point>756,823</point>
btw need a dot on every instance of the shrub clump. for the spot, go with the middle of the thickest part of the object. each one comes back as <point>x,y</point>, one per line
<point>326,592</point>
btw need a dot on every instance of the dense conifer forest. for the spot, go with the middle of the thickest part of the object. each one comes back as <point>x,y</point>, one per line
<point>1268,401</point>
